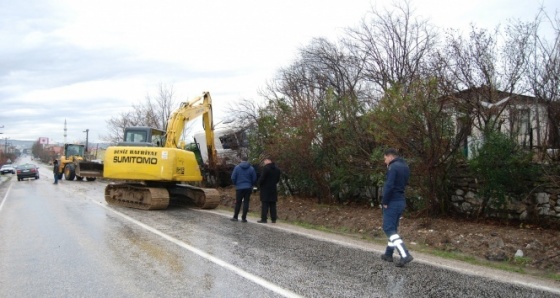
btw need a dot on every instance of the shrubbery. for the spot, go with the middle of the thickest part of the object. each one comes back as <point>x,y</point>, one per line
<point>503,168</point>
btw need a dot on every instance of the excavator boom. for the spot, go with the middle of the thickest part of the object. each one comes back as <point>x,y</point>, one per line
<point>201,105</point>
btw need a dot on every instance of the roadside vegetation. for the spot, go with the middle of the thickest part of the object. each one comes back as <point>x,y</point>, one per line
<point>7,158</point>
<point>398,81</point>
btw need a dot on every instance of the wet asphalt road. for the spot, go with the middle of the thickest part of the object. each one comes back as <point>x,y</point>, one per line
<point>64,241</point>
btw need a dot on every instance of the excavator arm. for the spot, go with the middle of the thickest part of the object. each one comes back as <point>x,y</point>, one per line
<point>201,105</point>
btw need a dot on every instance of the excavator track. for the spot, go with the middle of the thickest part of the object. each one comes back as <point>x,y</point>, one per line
<point>140,196</point>
<point>137,196</point>
<point>205,198</point>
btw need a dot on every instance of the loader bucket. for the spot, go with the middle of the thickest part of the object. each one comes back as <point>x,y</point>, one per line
<point>89,169</point>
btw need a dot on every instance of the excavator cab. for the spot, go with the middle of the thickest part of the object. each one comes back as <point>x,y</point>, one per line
<point>143,136</point>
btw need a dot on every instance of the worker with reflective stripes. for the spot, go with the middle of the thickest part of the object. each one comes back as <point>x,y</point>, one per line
<point>393,205</point>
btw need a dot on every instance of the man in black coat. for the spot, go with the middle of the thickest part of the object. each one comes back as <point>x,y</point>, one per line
<point>55,171</point>
<point>270,176</point>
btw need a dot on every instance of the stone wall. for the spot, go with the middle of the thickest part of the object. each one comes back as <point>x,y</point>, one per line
<point>542,203</point>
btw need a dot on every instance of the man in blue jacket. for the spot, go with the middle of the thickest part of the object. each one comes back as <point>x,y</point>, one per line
<point>393,205</point>
<point>243,177</point>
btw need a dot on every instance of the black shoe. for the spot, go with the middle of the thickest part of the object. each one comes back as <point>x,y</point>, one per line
<point>243,220</point>
<point>274,221</point>
<point>404,261</point>
<point>386,258</point>
<point>261,221</point>
<point>233,219</point>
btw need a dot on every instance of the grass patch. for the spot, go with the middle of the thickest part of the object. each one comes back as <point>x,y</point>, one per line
<point>553,276</point>
<point>311,226</point>
<point>452,255</point>
<point>521,261</point>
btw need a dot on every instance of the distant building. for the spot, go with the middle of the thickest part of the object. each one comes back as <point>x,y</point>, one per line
<point>43,140</point>
<point>525,118</point>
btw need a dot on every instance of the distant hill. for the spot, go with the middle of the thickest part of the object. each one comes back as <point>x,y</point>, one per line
<point>26,144</point>
<point>19,144</point>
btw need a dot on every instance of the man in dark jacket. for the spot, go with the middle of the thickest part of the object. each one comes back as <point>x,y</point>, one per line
<point>393,205</point>
<point>55,171</point>
<point>270,176</point>
<point>243,177</point>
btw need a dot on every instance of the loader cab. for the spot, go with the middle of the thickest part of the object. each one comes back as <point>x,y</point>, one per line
<point>143,136</point>
<point>73,150</point>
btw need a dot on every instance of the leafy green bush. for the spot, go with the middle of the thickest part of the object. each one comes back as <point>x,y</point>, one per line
<point>502,168</point>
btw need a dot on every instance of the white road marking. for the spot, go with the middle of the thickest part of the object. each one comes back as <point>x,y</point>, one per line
<point>251,277</point>
<point>5,196</point>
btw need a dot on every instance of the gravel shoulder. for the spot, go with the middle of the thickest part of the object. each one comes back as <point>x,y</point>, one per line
<point>480,248</point>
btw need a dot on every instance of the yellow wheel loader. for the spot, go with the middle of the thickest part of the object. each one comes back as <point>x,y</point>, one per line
<point>74,165</point>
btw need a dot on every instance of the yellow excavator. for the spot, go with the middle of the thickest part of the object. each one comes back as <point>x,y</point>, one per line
<point>155,167</point>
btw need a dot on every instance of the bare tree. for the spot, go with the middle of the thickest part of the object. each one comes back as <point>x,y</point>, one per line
<point>316,104</point>
<point>544,74</point>
<point>153,112</point>
<point>116,126</point>
<point>246,112</point>
<point>160,107</point>
<point>394,44</point>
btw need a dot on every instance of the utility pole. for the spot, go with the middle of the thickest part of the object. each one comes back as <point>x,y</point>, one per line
<point>87,134</point>
<point>6,145</point>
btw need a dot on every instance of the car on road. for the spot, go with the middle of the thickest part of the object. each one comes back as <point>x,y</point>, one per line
<point>27,170</point>
<point>7,169</point>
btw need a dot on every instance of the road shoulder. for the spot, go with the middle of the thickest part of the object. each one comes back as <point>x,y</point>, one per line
<point>376,249</point>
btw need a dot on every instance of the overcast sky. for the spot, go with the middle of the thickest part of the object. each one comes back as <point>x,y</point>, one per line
<point>85,61</point>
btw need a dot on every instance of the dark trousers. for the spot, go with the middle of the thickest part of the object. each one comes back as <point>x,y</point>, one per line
<point>391,218</point>
<point>264,210</point>
<point>242,195</point>
<point>55,178</point>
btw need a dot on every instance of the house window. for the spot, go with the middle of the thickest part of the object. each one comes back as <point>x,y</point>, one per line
<point>521,127</point>
<point>522,122</point>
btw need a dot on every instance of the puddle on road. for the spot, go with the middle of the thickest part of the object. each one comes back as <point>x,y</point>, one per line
<point>133,246</point>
